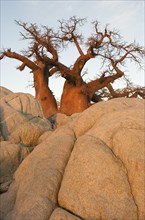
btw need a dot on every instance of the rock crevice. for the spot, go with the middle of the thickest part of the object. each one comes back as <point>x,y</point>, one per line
<point>91,166</point>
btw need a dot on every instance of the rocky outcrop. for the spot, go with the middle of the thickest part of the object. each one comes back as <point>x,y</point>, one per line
<point>90,167</point>
<point>21,123</point>
<point>16,111</point>
<point>99,182</point>
<point>61,214</point>
<point>119,123</point>
<point>38,178</point>
<point>4,91</point>
<point>11,155</point>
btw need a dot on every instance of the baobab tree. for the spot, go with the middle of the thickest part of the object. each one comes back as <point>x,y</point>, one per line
<point>42,58</point>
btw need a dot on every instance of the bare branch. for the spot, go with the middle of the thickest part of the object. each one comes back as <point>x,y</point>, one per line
<point>132,92</point>
<point>53,71</point>
<point>107,45</point>
<point>68,32</point>
<point>21,58</point>
<point>21,67</point>
<point>103,81</point>
<point>44,39</point>
<point>2,56</point>
<point>115,94</point>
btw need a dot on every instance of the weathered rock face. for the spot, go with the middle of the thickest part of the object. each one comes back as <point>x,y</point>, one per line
<point>98,180</point>
<point>16,111</point>
<point>11,155</point>
<point>61,214</point>
<point>38,178</point>
<point>90,167</point>
<point>4,92</point>
<point>119,123</point>
<point>20,129</point>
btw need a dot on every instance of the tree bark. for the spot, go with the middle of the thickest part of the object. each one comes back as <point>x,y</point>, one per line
<point>40,75</point>
<point>74,98</point>
<point>44,94</point>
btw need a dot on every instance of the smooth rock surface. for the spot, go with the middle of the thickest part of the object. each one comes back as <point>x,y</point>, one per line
<point>4,91</point>
<point>95,184</point>
<point>90,166</point>
<point>102,110</point>
<point>21,125</point>
<point>61,214</point>
<point>38,178</point>
<point>21,119</point>
<point>11,155</point>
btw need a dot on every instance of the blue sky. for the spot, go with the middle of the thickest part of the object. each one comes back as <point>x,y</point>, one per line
<point>126,16</point>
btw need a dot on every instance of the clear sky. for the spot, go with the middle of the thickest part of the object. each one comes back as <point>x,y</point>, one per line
<point>126,16</point>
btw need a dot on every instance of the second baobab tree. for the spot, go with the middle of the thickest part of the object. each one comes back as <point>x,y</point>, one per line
<point>42,57</point>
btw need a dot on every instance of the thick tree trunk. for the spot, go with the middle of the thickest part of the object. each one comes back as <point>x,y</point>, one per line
<point>74,98</point>
<point>44,94</point>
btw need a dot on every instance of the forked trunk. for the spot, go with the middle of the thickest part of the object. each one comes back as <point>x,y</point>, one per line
<point>74,98</point>
<point>44,94</point>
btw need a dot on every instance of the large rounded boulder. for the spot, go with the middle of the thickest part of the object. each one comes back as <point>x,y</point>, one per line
<point>21,124</point>
<point>91,166</point>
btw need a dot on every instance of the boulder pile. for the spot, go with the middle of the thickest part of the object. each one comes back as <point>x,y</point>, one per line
<point>90,166</point>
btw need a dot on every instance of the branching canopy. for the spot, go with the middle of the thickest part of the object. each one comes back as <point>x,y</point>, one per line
<point>107,45</point>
